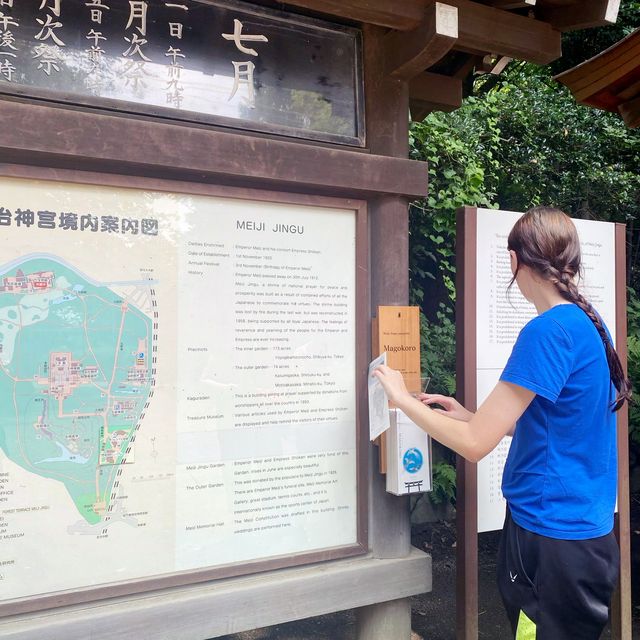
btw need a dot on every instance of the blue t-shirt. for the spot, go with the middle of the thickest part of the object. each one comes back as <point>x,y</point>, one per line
<point>561,472</point>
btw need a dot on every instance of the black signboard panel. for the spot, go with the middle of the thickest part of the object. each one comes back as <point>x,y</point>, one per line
<point>220,62</point>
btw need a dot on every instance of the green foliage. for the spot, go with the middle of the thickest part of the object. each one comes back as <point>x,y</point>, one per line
<point>555,151</point>
<point>438,353</point>
<point>633,347</point>
<point>438,350</point>
<point>524,142</point>
<point>444,483</point>
<point>518,141</point>
<point>459,148</point>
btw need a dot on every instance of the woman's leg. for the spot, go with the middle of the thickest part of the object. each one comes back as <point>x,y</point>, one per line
<point>576,579</point>
<point>516,580</point>
<point>556,589</point>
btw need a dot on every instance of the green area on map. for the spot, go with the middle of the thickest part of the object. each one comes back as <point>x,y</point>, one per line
<point>75,375</point>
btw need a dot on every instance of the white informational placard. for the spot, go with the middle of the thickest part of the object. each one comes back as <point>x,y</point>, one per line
<point>500,316</point>
<point>379,419</point>
<point>177,383</point>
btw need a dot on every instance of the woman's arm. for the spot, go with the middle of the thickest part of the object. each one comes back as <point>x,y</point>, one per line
<point>473,439</point>
<point>452,408</point>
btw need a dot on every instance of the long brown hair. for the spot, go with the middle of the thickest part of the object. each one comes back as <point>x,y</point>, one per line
<point>545,240</point>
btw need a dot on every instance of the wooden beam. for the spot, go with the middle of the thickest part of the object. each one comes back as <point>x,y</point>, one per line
<point>404,15</point>
<point>433,92</point>
<point>630,112</point>
<point>580,15</point>
<point>467,67</point>
<point>437,89</point>
<point>512,4</point>
<point>630,91</point>
<point>494,65</point>
<point>218,608</point>
<point>408,54</point>
<point>483,29</point>
<point>418,112</point>
<point>609,78</point>
<point>65,138</point>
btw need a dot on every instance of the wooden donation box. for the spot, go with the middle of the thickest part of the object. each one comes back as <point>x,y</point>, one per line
<point>405,449</point>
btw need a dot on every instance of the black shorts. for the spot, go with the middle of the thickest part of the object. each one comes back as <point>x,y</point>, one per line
<point>556,589</point>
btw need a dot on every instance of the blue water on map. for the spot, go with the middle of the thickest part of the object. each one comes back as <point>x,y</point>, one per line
<point>66,456</point>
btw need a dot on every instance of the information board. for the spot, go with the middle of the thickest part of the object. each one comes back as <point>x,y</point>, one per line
<point>218,61</point>
<point>177,383</point>
<point>500,314</point>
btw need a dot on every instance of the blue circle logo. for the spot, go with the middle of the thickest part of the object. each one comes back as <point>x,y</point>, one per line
<point>412,460</point>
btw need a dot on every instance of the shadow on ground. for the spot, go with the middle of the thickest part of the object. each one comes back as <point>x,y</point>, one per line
<point>433,614</point>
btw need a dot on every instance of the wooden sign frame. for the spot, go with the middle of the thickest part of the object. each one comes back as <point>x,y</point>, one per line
<point>75,99</point>
<point>467,487</point>
<point>361,273</point>
<point>84,139</point>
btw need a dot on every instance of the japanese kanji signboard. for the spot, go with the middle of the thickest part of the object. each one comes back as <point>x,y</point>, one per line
<point>221,62</point>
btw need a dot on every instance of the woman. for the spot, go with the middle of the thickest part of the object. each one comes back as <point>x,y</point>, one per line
<point>557,396</point>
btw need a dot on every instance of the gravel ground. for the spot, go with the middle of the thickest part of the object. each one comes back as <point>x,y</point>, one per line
<point>433,614</point>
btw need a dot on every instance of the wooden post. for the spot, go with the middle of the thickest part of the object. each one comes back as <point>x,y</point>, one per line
<point>466,472</point>
<point>385,621</point>
<point>387,103</point>
<point>387,108</point>
<point>621,605</point>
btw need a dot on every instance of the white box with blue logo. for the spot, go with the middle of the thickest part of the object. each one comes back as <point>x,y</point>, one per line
<point>408,456</point>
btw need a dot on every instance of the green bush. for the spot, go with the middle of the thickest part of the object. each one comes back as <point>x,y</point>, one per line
<point>633,348</point>
<point>519,141</point>
<point>444,483</point>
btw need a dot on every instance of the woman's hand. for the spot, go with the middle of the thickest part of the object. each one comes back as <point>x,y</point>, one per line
<point>393,383</point>
<point>452,407</point>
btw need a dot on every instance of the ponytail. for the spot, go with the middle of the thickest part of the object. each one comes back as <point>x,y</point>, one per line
<point>569,291</point>
<point>546,240</point>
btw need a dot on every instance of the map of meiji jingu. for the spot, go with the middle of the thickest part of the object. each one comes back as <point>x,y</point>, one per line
<point>76,374</point>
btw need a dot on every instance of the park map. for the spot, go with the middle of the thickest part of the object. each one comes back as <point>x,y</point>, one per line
<point>76,375</point>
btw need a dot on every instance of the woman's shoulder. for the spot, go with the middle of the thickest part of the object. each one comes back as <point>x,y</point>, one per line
<point>555,323</point>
